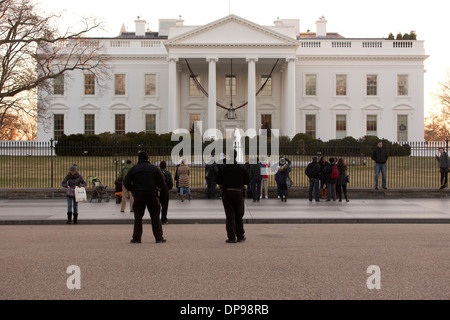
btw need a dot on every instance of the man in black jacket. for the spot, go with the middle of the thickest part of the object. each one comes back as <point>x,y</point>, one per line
<point>143,180</point>
<point>313,173</point>
<point>232,177</point>
<point>380,157</point>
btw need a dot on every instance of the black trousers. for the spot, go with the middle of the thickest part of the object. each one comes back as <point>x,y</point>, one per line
<point>233,203</point>
<point>340,188</point>
<point>164,200</point>
<point>151,202</point>
<point>210,188</point>
<point>444,176</point>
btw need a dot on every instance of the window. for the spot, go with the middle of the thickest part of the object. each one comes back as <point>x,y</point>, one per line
<point>193,88</point>
<point>58,126</point>
<point>310,84</point>
<point>341,84</point>
<point>371,85</point>
<point>341,126</point>
<point>266,121</point>
<point>310,125</point>
<point>230,85</point>
<point>89,84</point>
<point>150,84</point>
<point>402,84</point>
<point>402,127</point>
<point>371,124</point>
<point>195,125</point>
<point>58,85</point>
<point>150,123</point>
<point>267,90</point>
<point>119,124</point>
<point>89,124</point>
<point>119,84</point>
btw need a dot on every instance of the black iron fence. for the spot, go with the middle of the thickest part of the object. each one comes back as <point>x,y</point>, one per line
<point>30,164</point>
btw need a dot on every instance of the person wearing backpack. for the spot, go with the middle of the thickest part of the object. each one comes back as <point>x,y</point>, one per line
<point>312,171</point>
<point>332,174</point>
<point>164,192</point>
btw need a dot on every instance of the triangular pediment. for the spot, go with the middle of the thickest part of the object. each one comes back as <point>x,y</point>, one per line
<point>232,31</point>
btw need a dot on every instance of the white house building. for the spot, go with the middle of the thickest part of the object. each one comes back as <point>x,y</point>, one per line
<point>318,83</point>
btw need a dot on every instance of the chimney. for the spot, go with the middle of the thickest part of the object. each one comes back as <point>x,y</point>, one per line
<point>321,27</point>
<point>140,27</point>
<point>278,22</point>
<point>180,22</point>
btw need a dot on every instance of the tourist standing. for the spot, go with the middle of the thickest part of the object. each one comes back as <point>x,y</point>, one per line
<point>332,174</point>
<point>255,176</point>
<point>142,180</point>
<point>210,177</point>
<point>125,193</point>
<point>232,177</point>
<point>184,181</point>
<point>380,157</point>
<point>444,165</point>
<point>164,192</point>
<point>281,177</point>
<point>312,171</point>
<point>264,180</point>
<point>72,181</point>
<point>341,184</point>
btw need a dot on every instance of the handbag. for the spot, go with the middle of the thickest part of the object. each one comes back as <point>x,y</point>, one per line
<point>288,182</point>
<point>347,179</point>
<point>323,193</point>
<point>70,192</point>
<point>80,194</point>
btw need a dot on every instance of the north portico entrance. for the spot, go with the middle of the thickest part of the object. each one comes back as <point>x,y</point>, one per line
<point>228,63</point>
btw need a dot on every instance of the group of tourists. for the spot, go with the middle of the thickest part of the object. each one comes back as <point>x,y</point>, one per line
<point>148,186</point>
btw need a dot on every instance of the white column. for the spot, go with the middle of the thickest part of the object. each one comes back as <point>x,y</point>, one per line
<point>172,110</point>
<point>251,107</point>
<point>289,111</point>
<point>212,96</point>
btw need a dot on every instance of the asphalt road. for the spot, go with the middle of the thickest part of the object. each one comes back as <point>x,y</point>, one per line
<point>286,262</point>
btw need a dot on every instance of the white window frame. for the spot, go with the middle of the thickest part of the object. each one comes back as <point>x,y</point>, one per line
<point>156,84</point>
<point>126,84</point>
<point>316,85</point>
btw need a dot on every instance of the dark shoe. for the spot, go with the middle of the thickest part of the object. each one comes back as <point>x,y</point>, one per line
<point>376,188</point>
<point>346,200</point>
<point>75,218</point>
<point>230,241</point>
<point>384,188</point>
<point>317,200</point>
<point>241,239</point>
<point>135,241</point>
<point>69,217</point>
<point>162,240</point>
<point>340,200</point>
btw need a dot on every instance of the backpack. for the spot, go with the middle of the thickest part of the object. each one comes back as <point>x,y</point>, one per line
<point>334,172</point>
<point>167,179</point>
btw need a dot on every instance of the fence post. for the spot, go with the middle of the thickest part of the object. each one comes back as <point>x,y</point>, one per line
<point>51,162</point>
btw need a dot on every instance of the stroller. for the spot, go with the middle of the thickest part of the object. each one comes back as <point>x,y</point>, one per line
<point>98,189</point>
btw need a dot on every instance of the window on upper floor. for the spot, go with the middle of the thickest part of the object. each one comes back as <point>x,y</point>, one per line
<point>150,84</point>
<point>371,84</point>
<point>311,84</point>
<point>194,91</point>
<point>58,85</point>
<point>230,85</point>
<point>267,90</point>
<point>119,84</point>
<point>89,84</point>
<point>341,84</point>
<point>402,84</point>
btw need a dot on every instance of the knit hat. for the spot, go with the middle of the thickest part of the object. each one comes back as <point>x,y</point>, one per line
<point>142,155</point>
<point>314,158</point>
<point>73,167</point>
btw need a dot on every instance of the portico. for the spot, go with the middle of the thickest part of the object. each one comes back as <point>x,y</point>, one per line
<point>231,58</point>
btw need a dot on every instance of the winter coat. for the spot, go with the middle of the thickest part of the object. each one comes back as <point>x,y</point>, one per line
<point>342,179</point>
<point>73,180</point>
<point>255,171</point>
<point>124,171</point>
<point>444,161</point>
<point>183,174</point>
<point>312,171</point>
<point>327,171</point>
<point>143,178</point>
<point>379,155</point>
<point>282,174</point>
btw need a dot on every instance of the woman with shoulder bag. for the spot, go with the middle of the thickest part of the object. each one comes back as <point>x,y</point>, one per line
<point>72,180</point>
<point>444,164</point>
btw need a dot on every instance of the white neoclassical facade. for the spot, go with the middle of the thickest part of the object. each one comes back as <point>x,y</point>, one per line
<point>318,83</point>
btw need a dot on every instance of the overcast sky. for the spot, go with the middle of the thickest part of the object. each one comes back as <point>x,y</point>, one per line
<point>351,18</point>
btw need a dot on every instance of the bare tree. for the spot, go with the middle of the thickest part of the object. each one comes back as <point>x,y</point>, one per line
<point>437,124</point>
<point>33,52</point>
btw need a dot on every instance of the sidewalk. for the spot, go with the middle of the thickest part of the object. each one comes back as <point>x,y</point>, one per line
<point>53,211</point>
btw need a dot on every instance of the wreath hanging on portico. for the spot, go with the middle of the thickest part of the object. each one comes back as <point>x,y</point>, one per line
<point>231,110</point>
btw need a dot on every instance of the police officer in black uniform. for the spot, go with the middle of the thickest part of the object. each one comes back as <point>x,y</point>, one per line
<point>232,177</point>
<point>143,180</point>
